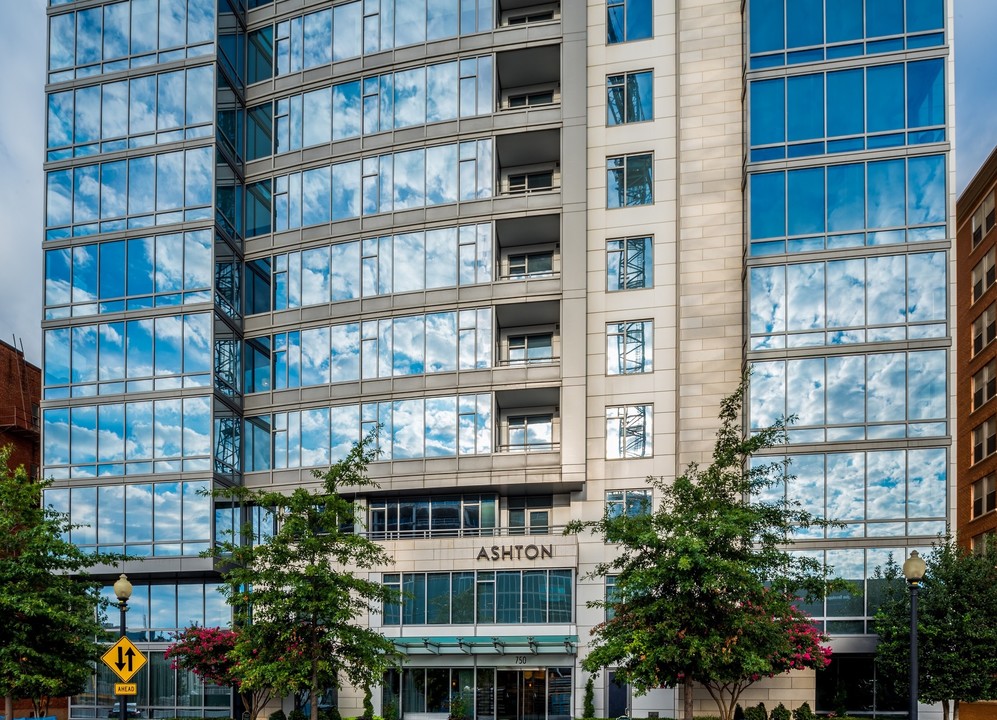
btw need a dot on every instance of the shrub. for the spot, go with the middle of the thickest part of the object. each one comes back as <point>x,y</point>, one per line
<point>368,705</point>
<point>803,712</point>
<point>390,710</point>
<point>329,713</point>
<point>297,715</point>
<point>779,712</point>
<point>738,712</point>
<point>458,708</point>
<point>588,704</point>
<point>758,712</point>
<point>278,715</point>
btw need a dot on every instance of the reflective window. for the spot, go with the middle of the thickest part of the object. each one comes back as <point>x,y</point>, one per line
<point>417,178</point>
<point>451,515</point>
<point>353,29</point>
<point>984,275</point>
<point>983,219</point>
<point>984,329</point>
<point>435,93</point>
<point>984,496</point>
<point>629,431</point>
<point>984,384</point>
<point>531,433</point>
<point>852,397</point>
<point>159,611</point>
<point>629,347</point>
<point>629,181</point>
<point>157,190</point>
<point>134,438</point>
<point>165,353</point>
<point>145,519</point>
<point>391,347</point>
<point>629,264</point>
<point>122,274</point>
<point>418,428</point>
<point>534,348</point>
<point>611,597</point>
<point>509,596</point>
<point>794,31</point>
<point>629,98</point>
<point>444,257</point>
<point>421,690</point>
<point>845,206</point>
<point>984,440</point>
<point>875,493</point>
<point>628,20</point>
<point>118,36</point>
<point>128,113</point>
<point>788,119</point>
<point>529,515</point>
<point>538,181</point>
<point>526,265</point>
<point>628,502</point>
<point>879,299</point>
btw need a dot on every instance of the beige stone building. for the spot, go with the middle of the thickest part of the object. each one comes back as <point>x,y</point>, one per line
<point>535,243</point>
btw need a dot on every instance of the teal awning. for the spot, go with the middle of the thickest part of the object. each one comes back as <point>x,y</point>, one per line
<point>499,645</point>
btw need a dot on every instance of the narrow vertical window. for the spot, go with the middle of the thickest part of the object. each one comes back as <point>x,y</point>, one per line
<point>629,98</point>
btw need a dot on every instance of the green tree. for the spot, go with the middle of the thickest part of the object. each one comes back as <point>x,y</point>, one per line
<point>705,590</point>
<point>50,626</point>
<point>588,703</point>
<point>956,658</point>
<point>301,589</point>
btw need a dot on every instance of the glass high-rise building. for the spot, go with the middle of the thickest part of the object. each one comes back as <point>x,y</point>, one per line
<point>535,243</point>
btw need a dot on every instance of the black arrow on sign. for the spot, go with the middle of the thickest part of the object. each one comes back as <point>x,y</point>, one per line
<point>120,664</point>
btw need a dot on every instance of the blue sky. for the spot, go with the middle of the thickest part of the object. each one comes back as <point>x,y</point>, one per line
<point>22,122</point>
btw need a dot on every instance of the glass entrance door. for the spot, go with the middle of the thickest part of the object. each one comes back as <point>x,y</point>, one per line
<point>521,694</point>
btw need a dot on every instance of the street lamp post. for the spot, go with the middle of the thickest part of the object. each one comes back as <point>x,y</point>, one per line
<point>914,571</point>
<point>122,591</point>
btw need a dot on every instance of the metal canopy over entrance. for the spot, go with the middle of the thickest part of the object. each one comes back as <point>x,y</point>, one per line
<point>504,645</point>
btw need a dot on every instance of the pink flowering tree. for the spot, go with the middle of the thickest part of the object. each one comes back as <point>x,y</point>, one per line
<point>705,591</point>
<point>757,640</point>
<point>228,658</point>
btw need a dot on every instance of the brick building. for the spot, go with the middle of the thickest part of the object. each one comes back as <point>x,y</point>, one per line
<point>977,358</point>
<point>20,393</point>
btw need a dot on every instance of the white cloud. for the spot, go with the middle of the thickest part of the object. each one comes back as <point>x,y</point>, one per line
<point>976,103</point>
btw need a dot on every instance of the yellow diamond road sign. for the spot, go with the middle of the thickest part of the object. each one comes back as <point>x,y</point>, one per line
<point>124,659</point>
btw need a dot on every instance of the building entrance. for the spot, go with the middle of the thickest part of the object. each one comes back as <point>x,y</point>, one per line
<point>533,693</point>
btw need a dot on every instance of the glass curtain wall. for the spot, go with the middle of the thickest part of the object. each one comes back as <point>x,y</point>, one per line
<point>854,337</point>
<point>142,231</point>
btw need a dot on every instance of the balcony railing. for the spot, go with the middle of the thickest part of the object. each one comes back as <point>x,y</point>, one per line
<point>463,532</point>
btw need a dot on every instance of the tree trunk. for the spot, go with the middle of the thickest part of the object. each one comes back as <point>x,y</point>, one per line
<point>315,652</point>
<point>314,707</point>
<point>687,686</point>
<point>8,707</point>
<point>945,710</point>
<point>955,709</point>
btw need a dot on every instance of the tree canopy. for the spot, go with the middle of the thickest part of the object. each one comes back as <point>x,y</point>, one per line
<point>49,621</point>
<point>297,595</point>
<point>957,601</point>
<point>705,589</point>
